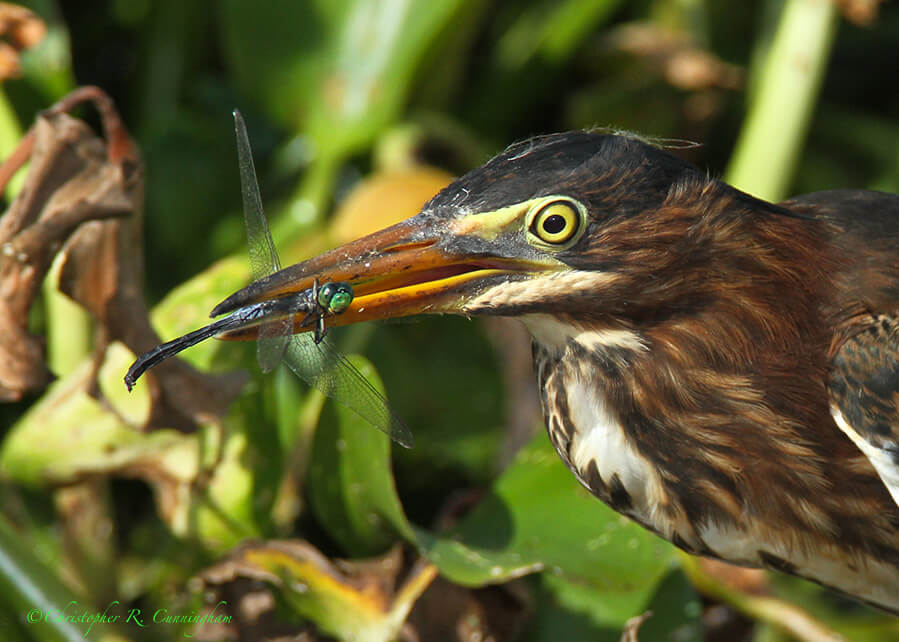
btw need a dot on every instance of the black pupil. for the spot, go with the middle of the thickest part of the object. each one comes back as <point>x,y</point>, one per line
<point>554,223</point>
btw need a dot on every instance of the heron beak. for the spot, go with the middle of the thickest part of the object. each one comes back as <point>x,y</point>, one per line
<point>406,269</point>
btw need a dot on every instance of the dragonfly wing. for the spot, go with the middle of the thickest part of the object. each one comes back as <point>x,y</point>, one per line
<point>273,337</point>
<point>263,255</point>
<point>324,367</point>
<point>318,364</point>
<point>270,350</point>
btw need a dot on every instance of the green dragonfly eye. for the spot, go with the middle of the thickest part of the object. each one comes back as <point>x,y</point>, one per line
<point>335,297</point>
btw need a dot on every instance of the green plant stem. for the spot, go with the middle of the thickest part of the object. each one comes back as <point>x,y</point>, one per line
<point>10,135</point>
<point>779,614</point>
<point>787,79</point>
<point>69,327</point>
<point>309,203</point>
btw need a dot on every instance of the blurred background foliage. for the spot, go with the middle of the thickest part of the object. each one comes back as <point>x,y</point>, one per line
<point>358,111</point>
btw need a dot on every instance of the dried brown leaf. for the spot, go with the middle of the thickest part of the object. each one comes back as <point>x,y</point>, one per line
<point>83,196</point>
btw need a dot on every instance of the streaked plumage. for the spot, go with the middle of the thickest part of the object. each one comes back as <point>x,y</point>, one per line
<point>864,392</point>
<point>691,342</point>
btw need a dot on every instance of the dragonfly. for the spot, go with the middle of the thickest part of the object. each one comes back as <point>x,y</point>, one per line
<point>312,356</point>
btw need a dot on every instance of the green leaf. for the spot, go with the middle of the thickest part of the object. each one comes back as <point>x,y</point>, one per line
<point>378,49</point>
<point>350,481</point>
<point>349,601</point>
<point>676,611</point>
<point>577,611</point>
<point>551,30</point>
<point>454,408</point>
<point>346,66</point>
<point>538,517</point>
<point>68,434</point>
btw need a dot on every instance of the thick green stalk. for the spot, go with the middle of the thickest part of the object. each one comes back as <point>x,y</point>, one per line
<point>787,79</point>
<point>308,205</point>
<point>770,610</point>
<point>10,135</point>
<point>69,327</point>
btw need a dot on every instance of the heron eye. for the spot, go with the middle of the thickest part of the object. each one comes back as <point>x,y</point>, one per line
<point>556,222</point>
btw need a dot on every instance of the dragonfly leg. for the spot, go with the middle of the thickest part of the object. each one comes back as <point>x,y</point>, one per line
<point>320,329</point>
<point>307,317</point>
<point>314,310</point>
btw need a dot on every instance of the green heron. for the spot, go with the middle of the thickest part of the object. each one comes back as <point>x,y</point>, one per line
<point>720,369</point>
